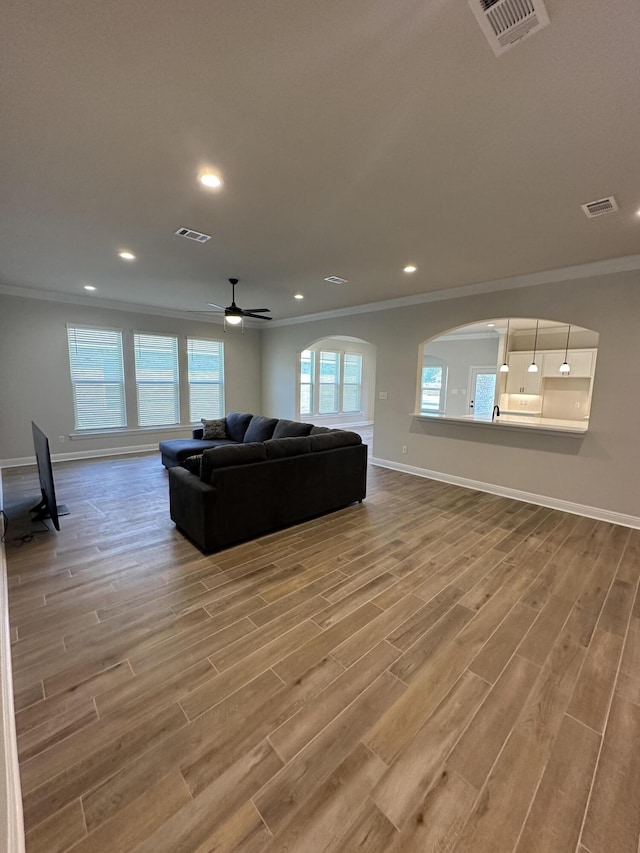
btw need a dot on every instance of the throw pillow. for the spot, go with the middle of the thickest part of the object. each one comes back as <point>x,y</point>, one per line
<point>214,429</point>
<point>291,429</point>
<point>260,428</point>
<point>237,423</point>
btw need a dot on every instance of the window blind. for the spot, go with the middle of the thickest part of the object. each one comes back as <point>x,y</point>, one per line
<point>157,388</point>
<point>205,361</point>
<point>307,360</point>
<point>97,377</point>
<point>352,382</point>
<point>329,382</point>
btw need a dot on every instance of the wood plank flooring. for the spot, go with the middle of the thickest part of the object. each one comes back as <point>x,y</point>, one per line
<point>433,670</point>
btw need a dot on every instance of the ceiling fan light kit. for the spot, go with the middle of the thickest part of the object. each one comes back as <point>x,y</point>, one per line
<point>233,314</point>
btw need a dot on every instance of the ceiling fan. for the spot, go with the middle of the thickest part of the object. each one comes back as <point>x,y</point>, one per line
<point>233,314</point>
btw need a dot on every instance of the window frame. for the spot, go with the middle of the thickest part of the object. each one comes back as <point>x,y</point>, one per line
<point>339,386</point>
<point>346,384</point>
<point>335,384</point>
<point>98,425</point>
<point>148,384</point>
<point>311,384</point>
<point>441,391</point>
<point>219,384</point>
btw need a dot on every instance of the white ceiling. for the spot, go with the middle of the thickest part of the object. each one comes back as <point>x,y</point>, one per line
<point>353,138</point>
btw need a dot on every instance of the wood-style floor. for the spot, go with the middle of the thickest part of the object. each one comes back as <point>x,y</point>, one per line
<point>436,669</point>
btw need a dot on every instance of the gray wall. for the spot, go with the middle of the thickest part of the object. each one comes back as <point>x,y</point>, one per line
<point>600,469</point>
<point>459,356</point>
<point>34,372</point>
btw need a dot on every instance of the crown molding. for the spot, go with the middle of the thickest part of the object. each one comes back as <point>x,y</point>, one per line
<point>114,305</point>
<point>628,263</point>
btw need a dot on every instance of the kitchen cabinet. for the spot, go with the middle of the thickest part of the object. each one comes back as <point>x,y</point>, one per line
<point>519,380</point>
<point>581,362</point>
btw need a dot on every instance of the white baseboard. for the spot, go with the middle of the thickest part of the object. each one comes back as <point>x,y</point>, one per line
<point>82,454</point>
<point>515,494</point>
<point>11,823</point>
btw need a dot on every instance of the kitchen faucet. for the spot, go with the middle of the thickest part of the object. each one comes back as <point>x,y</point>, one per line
<point>496,412</point>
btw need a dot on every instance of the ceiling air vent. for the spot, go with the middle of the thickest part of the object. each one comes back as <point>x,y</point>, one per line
<point>599,207</point>
<point>506,22</point>
<point>335,279</point>
<point>193,235</point>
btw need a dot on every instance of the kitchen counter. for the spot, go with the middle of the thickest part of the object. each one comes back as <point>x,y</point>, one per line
<point>527,422</point>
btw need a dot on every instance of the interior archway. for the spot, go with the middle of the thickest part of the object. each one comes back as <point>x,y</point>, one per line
<point>514,368</point>
<point>336,382</point>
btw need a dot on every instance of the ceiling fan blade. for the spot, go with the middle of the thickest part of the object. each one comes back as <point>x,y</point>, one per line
<point>203,311</point>
<point>219,307</point>
<point>257,316</point>
<point>258,310</point>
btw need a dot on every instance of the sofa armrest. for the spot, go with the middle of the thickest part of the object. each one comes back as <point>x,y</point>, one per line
<point>193,507</point>
<point>198,432</point>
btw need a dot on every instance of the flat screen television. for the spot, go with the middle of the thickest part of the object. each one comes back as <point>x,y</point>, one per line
<point>47,506</point>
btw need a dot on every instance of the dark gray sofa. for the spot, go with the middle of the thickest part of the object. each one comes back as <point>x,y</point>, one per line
<point>175,450</point>
<point>242,490</point>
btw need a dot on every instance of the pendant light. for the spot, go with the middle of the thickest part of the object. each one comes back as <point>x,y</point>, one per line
<point>565,369</point>
<point>533,367</point>
<point>504,367</point>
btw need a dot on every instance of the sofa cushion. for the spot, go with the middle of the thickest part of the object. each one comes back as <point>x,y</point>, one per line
<point>214,429</point>
<point>329,440</point>
<point>176,450</point>
<point>319,430</point>
<point>260,428</point>
<point>192,464</point>
<point>290,429</point>
<point>278,448</point>
<point>237,423</point>
<point>230,454</point>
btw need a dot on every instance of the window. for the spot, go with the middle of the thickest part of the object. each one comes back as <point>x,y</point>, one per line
<point>307,370</point>
<point>432,389</point>
<point>157,389</point>
<point>205,360</point>
<point>351,382</point>
<point>329,382</point>
<point>97,377</point>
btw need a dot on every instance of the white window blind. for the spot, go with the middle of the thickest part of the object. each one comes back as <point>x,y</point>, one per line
<point>307,363</point>
<point>206,379</point>
<point>352,382</point>
<point>432,388</point>
<point>157,388</point>
<point>97,377</point>
<point>329,382</point>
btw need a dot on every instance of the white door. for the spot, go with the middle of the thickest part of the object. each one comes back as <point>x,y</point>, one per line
<point>483,391</point>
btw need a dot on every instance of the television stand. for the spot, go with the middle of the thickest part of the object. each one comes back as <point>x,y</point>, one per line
<point>42,513</point>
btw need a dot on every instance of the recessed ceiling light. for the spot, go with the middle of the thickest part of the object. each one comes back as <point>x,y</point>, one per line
<point>298,296</point>
<point>490,324</point>
<point>89,287</point>
<point>410,268</point>
<point>127,256</point>
<point>208,179</point>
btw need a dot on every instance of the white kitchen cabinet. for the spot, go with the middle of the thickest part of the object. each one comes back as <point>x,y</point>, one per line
<point>519,380</point>
<point>581,363</point>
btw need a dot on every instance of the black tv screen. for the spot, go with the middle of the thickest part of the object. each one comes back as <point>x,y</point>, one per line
<point>47,507</point>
